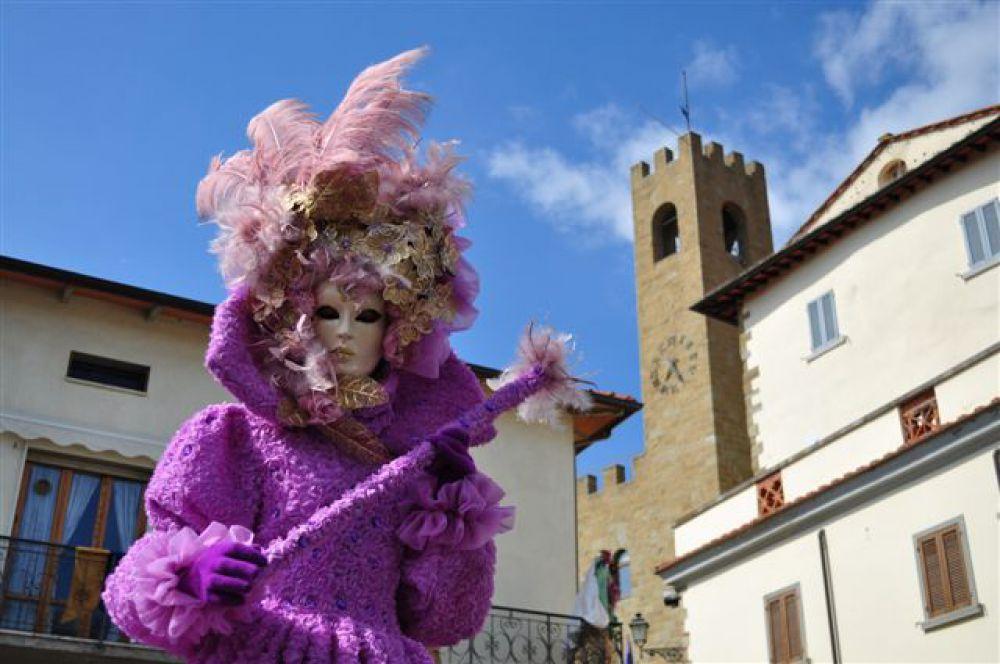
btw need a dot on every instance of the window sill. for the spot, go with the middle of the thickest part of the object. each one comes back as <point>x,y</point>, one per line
<point>976,270</point>
<point>826,348</point>
<point>113,388</point>
<point>964,613</point>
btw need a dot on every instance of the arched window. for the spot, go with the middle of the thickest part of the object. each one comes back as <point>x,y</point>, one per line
<point>734,232</point>
<point>894,170</point>
<point>624,564</point>
<point>666,235</point>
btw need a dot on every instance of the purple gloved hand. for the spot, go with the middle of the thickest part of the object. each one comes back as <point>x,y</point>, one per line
<point>223,573</point>
<point>453,461</point>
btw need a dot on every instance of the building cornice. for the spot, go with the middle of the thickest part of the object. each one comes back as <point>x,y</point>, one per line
<point>832,438</point>
<point>960,439</point>
<point>726,301</point>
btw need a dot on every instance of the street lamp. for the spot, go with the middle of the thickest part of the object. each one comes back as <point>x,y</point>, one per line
<point>640,628</point>
<point>640,631</point>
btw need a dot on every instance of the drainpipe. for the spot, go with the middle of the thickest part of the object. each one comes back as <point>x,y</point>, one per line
<point>831,609</point>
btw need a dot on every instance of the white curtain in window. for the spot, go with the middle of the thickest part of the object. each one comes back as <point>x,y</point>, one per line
<point>80,493</point>
<point>126,499</point>
<point>39,508</point>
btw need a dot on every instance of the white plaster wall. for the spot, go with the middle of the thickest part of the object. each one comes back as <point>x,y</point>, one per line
<point>37,333</point>
<point>912,152</point>
<point>963,393</point>
<point>719,519</point>
<point>905,310</point>
<point>537,560</point>
<point>725,612</point>
<point>875,580</point>
<point>855,449</point>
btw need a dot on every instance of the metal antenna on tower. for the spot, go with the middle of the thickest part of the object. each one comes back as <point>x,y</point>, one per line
<point>686,108</point>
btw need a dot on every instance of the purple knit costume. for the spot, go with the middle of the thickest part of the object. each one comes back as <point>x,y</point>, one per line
<point>356,595</point>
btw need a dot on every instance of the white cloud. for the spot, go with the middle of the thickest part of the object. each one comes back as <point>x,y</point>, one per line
<point>590,195</point>
<point>944,56</point>
<point>711,67</point>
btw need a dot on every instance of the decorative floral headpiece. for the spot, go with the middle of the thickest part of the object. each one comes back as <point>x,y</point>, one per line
<point>349,200</point>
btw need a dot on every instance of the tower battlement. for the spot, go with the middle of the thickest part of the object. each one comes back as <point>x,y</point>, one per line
<point>611,476</point>
<point>689,148</point>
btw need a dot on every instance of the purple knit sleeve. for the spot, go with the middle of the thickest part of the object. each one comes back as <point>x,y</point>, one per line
<point>203,476</point>
<point>445,596</point>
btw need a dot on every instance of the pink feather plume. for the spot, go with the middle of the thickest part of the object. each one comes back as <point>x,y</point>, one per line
<point>544,351</point>
<point>377,117</point>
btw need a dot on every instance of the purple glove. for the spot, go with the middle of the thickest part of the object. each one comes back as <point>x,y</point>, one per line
<point>453,461</point>
<point>223,573</point>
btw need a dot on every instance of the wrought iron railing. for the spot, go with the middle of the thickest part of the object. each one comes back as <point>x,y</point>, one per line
<point>54,589</point>
<point>516,636</point>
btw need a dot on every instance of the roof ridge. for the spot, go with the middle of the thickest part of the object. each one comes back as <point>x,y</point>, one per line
<point>882,144</point>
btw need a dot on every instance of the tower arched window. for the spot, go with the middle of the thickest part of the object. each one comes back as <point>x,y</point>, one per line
<point>666,233</point>
<point>734,232</point>
<point>894,170</point>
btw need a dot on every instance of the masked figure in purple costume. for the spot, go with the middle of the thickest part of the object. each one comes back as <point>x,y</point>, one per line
<point>346,276</point>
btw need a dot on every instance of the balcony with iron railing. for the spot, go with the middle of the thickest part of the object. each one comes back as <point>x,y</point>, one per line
<point>51,611</point>
<point>50,605</point>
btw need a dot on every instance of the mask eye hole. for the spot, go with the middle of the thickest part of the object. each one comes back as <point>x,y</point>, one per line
<point>326,312</point>
<point>369,316</point>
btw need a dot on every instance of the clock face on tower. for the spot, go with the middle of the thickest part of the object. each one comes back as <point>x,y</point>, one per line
<point>674,364</point>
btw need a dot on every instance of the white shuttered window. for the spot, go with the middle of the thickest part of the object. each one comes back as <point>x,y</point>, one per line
<point>982,233</point>
<point>823,321</point>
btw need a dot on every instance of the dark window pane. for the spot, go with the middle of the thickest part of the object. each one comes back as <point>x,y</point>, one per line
<point>106,371</point>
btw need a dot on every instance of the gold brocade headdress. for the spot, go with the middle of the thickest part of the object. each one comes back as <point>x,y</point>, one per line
<point>345,200</point>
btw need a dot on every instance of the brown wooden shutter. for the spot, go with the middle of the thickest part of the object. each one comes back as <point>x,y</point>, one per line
<point>958,579</point>
<point>946,579</point>
<point>775,625</point>
<point>792,627</point>
<point>784,629</point>
<point>933,578</point>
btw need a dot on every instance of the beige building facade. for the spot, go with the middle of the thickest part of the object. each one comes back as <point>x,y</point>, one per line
<point>871,349</point>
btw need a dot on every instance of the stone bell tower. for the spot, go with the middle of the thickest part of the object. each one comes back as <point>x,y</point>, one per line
<point>700,219</point>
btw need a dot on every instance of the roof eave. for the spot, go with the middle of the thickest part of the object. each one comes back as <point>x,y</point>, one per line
<point>724,302</point>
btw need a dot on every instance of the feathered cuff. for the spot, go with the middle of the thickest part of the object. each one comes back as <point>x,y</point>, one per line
<point>161,606</point>
<point>461,515</point>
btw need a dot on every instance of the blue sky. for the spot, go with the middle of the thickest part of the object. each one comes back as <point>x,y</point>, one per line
<point>111,111</point>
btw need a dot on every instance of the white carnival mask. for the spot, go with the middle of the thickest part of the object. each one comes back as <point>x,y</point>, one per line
<point>351,327</point>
